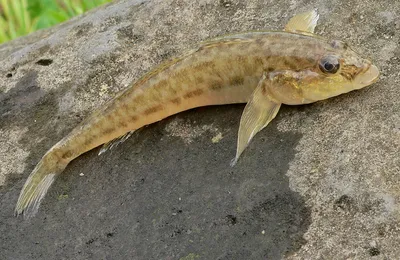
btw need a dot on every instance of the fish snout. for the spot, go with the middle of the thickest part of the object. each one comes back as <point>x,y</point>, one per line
<point>368,75</point>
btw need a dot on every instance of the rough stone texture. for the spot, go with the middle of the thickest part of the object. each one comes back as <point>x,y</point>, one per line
<point>321,182</point>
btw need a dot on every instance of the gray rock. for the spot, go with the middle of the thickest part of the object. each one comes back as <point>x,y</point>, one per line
<point>321,182</point>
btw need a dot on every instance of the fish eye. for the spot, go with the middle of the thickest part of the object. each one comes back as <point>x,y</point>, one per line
<point>329,64</point>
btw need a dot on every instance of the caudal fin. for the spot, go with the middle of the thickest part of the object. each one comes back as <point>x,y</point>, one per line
<point>37,185</point>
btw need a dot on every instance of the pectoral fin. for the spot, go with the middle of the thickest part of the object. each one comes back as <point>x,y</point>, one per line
<point>304,22</point>
<point>259,111</point>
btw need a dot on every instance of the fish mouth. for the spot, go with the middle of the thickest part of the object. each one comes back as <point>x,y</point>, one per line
<point>368,76</point>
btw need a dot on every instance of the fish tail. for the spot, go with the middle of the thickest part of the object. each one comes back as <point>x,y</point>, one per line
<point>38,183</point>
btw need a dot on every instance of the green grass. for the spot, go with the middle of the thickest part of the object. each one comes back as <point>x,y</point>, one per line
<point>21,17</point>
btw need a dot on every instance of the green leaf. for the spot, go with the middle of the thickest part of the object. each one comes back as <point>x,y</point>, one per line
<point>58,16</point>
<point>20,17</point>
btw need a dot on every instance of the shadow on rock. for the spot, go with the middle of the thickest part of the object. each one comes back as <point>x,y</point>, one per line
<point>157,197</point>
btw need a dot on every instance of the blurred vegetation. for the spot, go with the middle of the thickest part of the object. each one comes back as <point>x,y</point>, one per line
<point>20,17</point>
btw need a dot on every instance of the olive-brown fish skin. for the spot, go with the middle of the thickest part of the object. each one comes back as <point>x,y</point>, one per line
<point>217,73</point>
<point>223,71</point>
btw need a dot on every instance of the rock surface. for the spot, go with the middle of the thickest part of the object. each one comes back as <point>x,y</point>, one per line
<point>321,182</point>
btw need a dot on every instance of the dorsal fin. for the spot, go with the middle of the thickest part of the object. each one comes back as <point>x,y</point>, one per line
<point>115,142</point>
<point>304,22</point>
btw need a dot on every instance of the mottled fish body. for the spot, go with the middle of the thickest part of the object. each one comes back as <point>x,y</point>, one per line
<point>262,69</point>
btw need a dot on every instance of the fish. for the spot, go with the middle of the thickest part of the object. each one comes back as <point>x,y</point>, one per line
<point>263,69</point>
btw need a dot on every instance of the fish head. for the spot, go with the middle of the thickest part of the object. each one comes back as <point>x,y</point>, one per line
<point>337,69</point>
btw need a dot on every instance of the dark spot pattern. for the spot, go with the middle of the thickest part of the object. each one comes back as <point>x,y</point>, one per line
<point>216,85</point>
<point>236,81</point>
<point>176,101</point>
<point>44,62</point>
<point>152,110</point>
<point>373,251</point>
<point>122,124</point>
<point>231,219</point>
<point>264,90</point>
<point>66,155</point>
<point>344,203</point>
<point>89,140</point>
<point>194,93</point>
<point>199,79</point>
<point>133,118</point>
<point>108,131</point>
